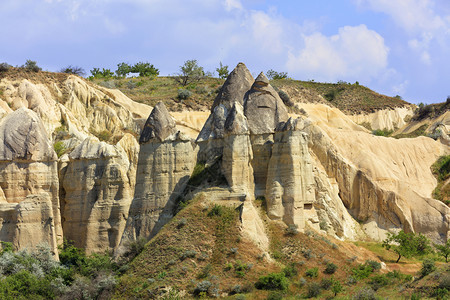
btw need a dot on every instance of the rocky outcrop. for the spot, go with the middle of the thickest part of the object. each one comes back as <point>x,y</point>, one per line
<point>98,188</point>
<point>29,202</point>
<point>166,161</point>
<point>263,107</point>
<point>237,152</point>
<point>264,111</point>
<point>385,119</point>
<point>290,181</point>
<point>238,83</point>
<point>210,141</point>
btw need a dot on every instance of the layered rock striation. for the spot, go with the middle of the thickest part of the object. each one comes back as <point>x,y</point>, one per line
<point>166,160</point>
<point>97,190</point>
<point>29,202</point>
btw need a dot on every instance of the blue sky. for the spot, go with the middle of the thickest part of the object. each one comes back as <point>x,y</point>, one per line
<point>396,47</point>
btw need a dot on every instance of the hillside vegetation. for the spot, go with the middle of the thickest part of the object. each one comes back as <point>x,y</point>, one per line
<point>349,98</point>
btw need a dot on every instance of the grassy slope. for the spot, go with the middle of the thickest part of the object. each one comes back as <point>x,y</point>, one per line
<point>347,97</point>
<point>161,264</point>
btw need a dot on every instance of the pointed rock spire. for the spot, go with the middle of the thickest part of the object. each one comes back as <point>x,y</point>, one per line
<point>160,124</point>
<point>233,90</point>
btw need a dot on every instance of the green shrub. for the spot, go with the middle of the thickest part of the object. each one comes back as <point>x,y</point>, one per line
<point>272,281</point>
<point>290,270</point>
<point>274,75</point>
<point>330,268</point>
<point>373,264</point>
<point>379,281</point>
<point>428,266</point>
<point>4,67</point>
<point>336,288</point>
<point>104,135</point>
<point>326,283</point>
<point>362,271</point>
<point>184,94</point>
<point>202,288</point>
<point>382,132</point>
<point>222,71</point>
<point>291,230</point>
<point>312,273</point>
<point>144,69</point>
<point>365,293</point>
<point>31,65</point>
<point>275,295</point>
<point>59,148</point>
<point>217,210</point>
<point>313,290</point>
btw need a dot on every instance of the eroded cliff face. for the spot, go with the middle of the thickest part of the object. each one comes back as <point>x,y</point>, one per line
<point>324,172</point>
<point>29,183</point>
<point>97,192</point>
<point>290,183</point>
<point>166,160</point>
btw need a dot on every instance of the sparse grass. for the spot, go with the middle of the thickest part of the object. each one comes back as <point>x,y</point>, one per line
<point>418,132</point>
<point>349,98</point>
<point>441,170</point>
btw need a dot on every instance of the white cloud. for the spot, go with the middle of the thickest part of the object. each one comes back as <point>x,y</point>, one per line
<point>411,15</point>
<point>355,52</point>
<point>233,4</point>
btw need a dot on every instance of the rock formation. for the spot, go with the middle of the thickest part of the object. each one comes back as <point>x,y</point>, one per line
<point>290,182</point>
<point>29,203</point>
<point>264,110</point>
<point>238,83</point>
<point>210,141</point>
<point>98,188</point>
<point>237,152</point>
<point>166,161</point>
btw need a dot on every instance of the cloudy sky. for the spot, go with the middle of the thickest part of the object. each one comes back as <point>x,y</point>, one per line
<point>396,47</point>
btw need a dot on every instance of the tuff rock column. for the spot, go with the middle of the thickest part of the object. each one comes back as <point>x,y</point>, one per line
<point>29,203</point>
<point>166,160</point>
<point>264,110</point>
<point>290,180</point>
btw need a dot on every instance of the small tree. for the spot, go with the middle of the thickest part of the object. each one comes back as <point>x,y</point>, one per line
<point>189,72</point>
<point>73,70</point>
<point>222,71</point>
<point>443,250</point>
<point>336,288</point>
<point>273,75</point>
<point>123,69</point>
<point>31,65</point>
<point>406,244</point>
<point>145,69</point>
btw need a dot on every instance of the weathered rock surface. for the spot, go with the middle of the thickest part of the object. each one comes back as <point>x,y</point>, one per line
<point>159,125</point>
<point>163,170</point>
<point>98,189</point>
<point>384,183</point>
<point>263,107</point>
<point>29,203</point>
<point>238,83</point>
<point>237,152</point>
<point>290,181</point>
<point>388,119</point>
